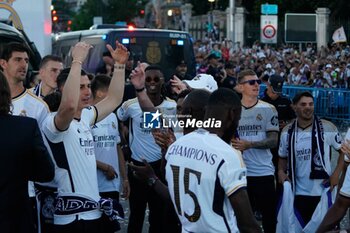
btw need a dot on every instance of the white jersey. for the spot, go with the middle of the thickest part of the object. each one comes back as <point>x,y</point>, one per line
<point>28,105</point>
<point>106,138</point>
<point>202,171</point>
<point>141,141</point>
<point>74,151</point>
<point>302,147</point>
<point>255,122</point>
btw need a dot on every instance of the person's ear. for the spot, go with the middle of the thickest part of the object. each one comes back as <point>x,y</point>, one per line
<point>3,63</point>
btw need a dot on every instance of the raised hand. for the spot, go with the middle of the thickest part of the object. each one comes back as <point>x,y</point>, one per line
<point>120,54</point>
<point>164,138</point>
<point>80,51</point>
<point>177,85</point>
<point>137,76</point>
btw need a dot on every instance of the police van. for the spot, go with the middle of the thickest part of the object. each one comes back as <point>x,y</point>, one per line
<point>165,48</point>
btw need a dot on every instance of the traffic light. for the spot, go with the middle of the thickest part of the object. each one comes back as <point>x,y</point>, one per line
<point>54,16</point>
<point>142,12</point>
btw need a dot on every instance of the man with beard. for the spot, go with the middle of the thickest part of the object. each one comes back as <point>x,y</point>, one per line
<point>305,146</point>
<point>181,71</point>
<point>143,146</point>
<point>14,62</point>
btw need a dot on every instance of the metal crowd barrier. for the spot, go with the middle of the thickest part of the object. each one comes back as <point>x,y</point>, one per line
<point>330,103</point>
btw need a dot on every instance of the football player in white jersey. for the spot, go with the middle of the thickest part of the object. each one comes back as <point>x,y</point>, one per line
<point>207,177</point>
<point>258,133</point>
<point>111,170</point>
<point>143,146</point>
<point>306,146</point>
<point>50,67</point>
<point>69,132</point>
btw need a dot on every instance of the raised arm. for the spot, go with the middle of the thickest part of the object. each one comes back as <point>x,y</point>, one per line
<point>70,93</point>
<point>137,78</point>
<point>116,88</point>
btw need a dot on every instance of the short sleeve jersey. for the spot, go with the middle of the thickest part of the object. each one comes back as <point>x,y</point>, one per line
<point>302,147</point>
<point>255,122</point>
<point>202,171</point>
<point>140,138</point>
<point>28,105</point>
<point>106,138</point>
<point>74,151</point>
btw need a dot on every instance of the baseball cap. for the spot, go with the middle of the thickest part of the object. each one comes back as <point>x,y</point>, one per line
<point>268,66</point>
<point>328,66</point>
<point>203,81</point>
<point>276,83</point>
<point>212,55</point>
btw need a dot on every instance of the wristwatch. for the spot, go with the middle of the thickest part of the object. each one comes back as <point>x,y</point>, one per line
<point>151,181</point>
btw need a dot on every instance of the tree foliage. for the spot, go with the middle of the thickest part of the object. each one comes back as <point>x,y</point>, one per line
<point>110,10</point>
<point>126,10</point>
<point>338,8</point>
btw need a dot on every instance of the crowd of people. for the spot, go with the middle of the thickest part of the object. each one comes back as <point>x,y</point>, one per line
<point>214,172</point>
<point>327,68</point>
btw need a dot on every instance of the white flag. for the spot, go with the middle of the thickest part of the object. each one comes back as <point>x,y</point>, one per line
<point>339,35</point>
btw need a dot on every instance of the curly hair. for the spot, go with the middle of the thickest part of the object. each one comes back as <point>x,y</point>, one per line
<point>5,96</point>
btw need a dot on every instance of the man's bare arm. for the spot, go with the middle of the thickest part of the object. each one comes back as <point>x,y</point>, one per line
<point>334,214</point>
<point>137,78</point>
<point>116,88</point>
<point>245,219</point>
<point>268,143</point>
<point>71,89</point>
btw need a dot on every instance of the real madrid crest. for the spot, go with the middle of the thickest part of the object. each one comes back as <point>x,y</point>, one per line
<point>259,117</point>
<point>153,53</point>
<point>48,207</point>
<point>23,113</point>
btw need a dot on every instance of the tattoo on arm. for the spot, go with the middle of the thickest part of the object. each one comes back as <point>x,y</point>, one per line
<point>268,143</point>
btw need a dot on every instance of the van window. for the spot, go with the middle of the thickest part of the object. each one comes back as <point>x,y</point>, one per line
<point>161,47</point>
<point>94,59</point>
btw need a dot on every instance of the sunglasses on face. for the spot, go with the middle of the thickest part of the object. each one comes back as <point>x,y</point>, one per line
<point>252,82</point>
<point>155,79</point>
